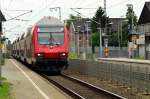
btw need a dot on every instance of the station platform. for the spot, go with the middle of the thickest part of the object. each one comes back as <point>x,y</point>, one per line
<point>26,84</point>
<point>140,61</point>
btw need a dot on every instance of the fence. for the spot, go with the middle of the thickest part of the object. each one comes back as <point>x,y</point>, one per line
<point>133,75</point>
<point>113,51</point>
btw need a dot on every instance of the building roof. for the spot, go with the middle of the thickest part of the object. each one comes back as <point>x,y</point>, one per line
<point>145,15</point>
<point>2,18</point>
<point>82,23</point>
<point>116,23</point>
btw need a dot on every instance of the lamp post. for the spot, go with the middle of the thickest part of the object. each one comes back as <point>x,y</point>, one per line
<point>78,36</point>
<point>87,30</point>
<point>100,42</point>
<point>121,24</point>
<point>131,6</point>
<point>129,44</point>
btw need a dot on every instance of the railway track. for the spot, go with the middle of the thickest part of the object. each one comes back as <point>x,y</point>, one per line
<point>79,89</point>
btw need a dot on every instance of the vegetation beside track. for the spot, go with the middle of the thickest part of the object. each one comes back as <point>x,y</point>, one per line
<point>5,89</point>
<point>73,56</point>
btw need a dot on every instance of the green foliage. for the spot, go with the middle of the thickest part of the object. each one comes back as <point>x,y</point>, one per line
<point>139,57</point>
<point>72,18</point>
<point>99,20</point>
<point>129,15</point>
<point>2,61</point>
<point>73,56</point>
<point>90,57</point>
<point>95,39</point>
<point>9,45</point>
<point>5,90</point>
<point>113,39</point>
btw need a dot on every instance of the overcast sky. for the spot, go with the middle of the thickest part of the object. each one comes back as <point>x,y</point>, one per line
<point>40,8</point>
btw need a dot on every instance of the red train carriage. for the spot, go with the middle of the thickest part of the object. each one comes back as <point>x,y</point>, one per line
<point>45,45</point>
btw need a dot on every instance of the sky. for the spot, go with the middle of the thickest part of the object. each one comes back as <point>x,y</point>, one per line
<point>13,28</point>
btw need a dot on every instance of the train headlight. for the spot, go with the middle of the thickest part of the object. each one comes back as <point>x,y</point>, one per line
<point>39,55</point>
<point>63,54</point>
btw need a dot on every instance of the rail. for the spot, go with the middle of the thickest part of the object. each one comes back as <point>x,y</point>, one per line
<point>79,89</point>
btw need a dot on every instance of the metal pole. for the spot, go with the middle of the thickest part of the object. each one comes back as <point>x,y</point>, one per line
<point>106,16</point>
<point>87,37</point>
<point>59,13</point>
<point>0,62</point>
<point>84,54</point>
<point>133,51</point>
<point>78,43</point>
<point>100,42</point>
<point>119,39</point>
<point>78,36</point>
<point>121,34</point>
<point>132,19</point>
<point>0,53</point>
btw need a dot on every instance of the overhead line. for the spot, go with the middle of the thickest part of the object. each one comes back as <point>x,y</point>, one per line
<point>15,10</point>
<point>83,8</point>
<point>118,4</point>
<point>53,1</point>
<point>9,4</point>
<point>20,15</point>
<point>84,16</point>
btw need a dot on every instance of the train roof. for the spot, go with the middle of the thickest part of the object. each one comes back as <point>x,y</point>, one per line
<point>49,21</point>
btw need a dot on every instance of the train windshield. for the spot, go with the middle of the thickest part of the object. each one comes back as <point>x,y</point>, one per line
<point>51,38</point>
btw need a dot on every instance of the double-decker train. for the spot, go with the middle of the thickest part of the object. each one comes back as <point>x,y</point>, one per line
<point>44,46</point>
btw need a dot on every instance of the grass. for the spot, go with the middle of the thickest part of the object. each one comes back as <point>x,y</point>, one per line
<point>2,61</point>
<point>139,57</point>
<point>73,56</point>
<point>89,57</point>
<point>5,89</point>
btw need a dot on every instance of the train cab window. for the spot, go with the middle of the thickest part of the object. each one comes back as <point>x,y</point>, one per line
<point>51,38</point>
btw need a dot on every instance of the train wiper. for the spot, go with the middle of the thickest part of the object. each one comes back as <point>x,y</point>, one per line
<point>51,40</point>
<point>56,43</point>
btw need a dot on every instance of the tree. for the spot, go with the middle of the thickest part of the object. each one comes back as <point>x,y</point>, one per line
<point>128,25</point>
<point>99,21</point>
<point>129,15</point>
<point>72,18</point>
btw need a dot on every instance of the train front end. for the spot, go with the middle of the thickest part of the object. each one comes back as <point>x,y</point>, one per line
<point>50,40</point>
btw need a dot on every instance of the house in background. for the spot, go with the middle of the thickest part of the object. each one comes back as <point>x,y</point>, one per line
<point>79,35</point>
<point>144,32</point>
<point>116,24</point>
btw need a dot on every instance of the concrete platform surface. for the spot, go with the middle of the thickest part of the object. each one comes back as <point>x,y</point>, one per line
<point>126,60</point>
<point>26,84</point>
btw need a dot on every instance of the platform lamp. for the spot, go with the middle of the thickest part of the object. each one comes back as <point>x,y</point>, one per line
<point>2,18</point>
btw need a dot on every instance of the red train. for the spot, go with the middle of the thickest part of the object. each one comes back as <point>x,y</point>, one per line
<point>44,46</point>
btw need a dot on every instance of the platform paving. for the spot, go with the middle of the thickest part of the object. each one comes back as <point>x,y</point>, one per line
<point>26,84</point>
<point>126,60</point>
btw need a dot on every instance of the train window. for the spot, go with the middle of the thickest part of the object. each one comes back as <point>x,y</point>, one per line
<point>51,38</point>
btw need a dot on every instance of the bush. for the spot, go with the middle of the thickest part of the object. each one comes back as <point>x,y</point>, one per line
<point>5,89</point>
<point>73,56</point>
